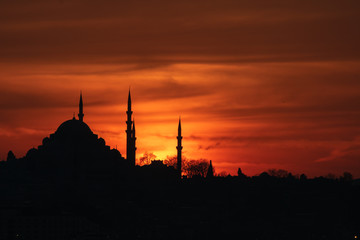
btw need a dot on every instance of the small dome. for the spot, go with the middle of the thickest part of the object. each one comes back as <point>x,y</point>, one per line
<point>73,127</point>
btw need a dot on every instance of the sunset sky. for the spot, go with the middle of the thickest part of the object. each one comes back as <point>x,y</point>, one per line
<point>258,84</point>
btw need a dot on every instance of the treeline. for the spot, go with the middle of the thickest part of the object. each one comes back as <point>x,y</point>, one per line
<point>199,168</point>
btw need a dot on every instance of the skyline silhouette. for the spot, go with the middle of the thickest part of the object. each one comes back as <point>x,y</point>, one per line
<point>201,167</point>
<point>131,143</point>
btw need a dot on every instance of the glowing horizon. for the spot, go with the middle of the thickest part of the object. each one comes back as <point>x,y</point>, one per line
<point>257,85</point>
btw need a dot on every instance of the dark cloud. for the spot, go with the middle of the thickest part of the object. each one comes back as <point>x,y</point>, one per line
<point>11,99</point>
<point>344,152</point>
<point>341,157</point>
<point>20,99</point>
<point>187,31</point>
<point>209,147</point>
<point>172,89</point>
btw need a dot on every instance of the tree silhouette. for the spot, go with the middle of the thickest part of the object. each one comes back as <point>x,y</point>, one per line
<point>190,167</point>
<point>346,177</point>
<point>279,173</point>
<point>330,176</point>
<point>171,161</point>
<point>303,177</point>
<point>196,167</point>
<point>146,158</point>
<point>222,174</point>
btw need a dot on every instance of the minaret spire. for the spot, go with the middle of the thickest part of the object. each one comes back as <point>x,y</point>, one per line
<point>129,101</point>
<point>130,134</point>
<point>81,114</point>
<point>179,148</point>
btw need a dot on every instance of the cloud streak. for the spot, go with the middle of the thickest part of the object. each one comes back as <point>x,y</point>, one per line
<point>226,31</point>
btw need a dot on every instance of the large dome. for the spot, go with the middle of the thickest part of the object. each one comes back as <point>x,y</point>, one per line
<point>74,127</point>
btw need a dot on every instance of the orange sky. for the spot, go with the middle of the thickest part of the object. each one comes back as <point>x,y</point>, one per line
<point>258,85</point>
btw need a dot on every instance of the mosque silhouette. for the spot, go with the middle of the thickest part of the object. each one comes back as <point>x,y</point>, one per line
<point>75,155</point>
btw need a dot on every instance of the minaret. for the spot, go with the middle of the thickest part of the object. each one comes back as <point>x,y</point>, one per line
<point>179,148</point>
<point>81,114</point>
<point>133,139</point>
<point>129,141</point>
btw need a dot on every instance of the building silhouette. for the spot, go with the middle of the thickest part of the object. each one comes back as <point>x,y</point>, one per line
<point>74,155</point>
<point>210,172</point>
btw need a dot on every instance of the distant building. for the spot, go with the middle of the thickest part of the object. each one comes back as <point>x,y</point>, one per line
<point>210,172</point>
